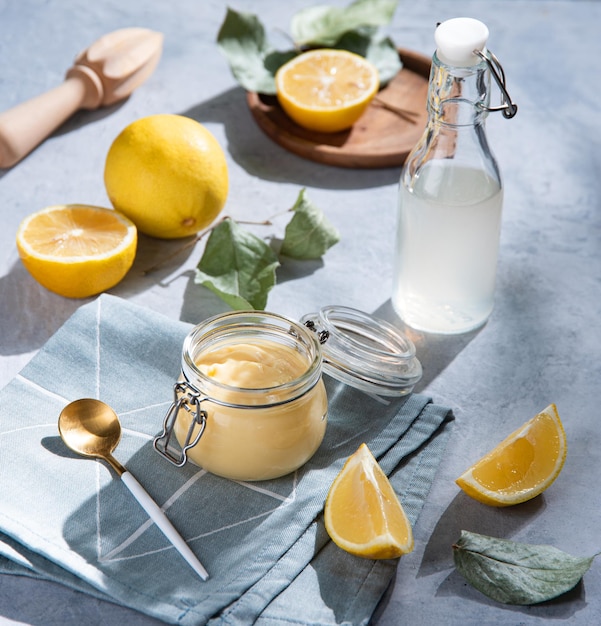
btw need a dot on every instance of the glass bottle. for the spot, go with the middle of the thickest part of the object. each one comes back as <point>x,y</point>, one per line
<point>450,192</point>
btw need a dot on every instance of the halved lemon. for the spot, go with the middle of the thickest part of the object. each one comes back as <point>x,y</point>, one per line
<point>77,250</point>
<point>522,466</point>
<point>362,512</point>
<point>326,90</point>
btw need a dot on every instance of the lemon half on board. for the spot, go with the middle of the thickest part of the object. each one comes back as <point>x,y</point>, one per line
<point>326,90</point>
<point>362,512</point>
<point>522,466</point>
<point>77,250</point>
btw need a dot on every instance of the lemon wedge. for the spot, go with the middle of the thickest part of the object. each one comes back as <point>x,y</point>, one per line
<point>362,512</point>
<point>522,466</point>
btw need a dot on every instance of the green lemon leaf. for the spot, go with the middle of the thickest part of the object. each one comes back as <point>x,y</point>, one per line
<point>308,234</point>
<point>380,52</point>
<point>237,266</point>
<point>252,61</point>
<point>324,25</point>
<point>517,573</point>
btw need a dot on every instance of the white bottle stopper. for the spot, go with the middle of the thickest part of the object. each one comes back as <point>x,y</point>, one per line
<point>456,40</point>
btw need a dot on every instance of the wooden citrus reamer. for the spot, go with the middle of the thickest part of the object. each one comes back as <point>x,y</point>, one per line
<point>106,72</point>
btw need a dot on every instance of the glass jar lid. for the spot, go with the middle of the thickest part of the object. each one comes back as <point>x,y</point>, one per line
<point>365,352</point>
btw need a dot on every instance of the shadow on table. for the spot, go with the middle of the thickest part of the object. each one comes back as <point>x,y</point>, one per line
<point>261,157</point>
<point>83,117</point>
<point>199,302</point>
<point>31,314</point>
<point>156,264</point>
<point>563,607</point>
<point>465,513</point>
<point>435,352</point>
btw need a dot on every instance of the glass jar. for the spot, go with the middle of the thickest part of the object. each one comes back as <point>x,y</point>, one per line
<point>251,402</point>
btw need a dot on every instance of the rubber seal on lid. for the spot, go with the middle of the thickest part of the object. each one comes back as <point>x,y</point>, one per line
<point>456,40</point>
<point>365,352</point>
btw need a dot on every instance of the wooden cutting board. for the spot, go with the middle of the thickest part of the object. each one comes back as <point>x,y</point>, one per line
<point>384,135</point>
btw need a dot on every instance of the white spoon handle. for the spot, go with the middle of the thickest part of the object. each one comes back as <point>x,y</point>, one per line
<point>160,519</point>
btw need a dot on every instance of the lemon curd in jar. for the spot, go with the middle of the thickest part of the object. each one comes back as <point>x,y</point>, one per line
<point>263,396</point>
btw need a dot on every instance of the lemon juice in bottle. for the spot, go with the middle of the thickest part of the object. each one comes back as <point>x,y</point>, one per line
<point>450,193</point>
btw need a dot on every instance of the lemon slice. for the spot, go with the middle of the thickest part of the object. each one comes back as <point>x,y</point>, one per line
<point>362,512</point>
<point>522,466</point>
<point>77,250</point>
<point>326,90</point>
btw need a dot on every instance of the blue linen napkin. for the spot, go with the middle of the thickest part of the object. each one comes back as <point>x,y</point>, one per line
<point>68,519</point>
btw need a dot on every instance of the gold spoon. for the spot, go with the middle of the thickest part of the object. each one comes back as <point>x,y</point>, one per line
<point>91,428</point>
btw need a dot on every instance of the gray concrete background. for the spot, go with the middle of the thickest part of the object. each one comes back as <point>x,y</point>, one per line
<point>541,345</point>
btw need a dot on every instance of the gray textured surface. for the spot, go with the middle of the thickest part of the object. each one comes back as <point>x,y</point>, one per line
<point>542,344</point>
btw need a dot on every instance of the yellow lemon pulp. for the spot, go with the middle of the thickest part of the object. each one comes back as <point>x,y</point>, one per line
<point>243,443</point>
<point>77,250</point>
<point>326,90</point>
<point>168,174</point>
<point>362,512</point>
<point>522,466</point>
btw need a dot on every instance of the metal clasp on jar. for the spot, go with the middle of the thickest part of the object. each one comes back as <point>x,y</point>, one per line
<point>186,398</point>
<point>508,107</point>
<point>322,335</point>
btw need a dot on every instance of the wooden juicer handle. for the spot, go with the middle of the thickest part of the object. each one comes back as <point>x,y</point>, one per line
<point>106,72</point>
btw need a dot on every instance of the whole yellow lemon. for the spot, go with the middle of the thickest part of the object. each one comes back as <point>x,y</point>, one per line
<point>168,174</point>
